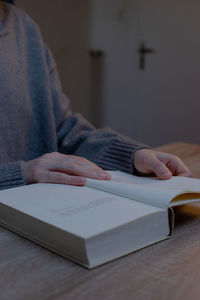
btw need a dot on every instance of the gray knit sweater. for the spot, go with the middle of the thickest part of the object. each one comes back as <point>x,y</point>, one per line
<point>35,114</point>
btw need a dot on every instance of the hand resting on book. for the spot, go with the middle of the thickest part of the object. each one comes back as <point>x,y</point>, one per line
<point>163,165</point>
<point>63,169</point>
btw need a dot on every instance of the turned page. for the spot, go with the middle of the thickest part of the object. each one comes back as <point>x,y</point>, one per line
<point>151,190</point>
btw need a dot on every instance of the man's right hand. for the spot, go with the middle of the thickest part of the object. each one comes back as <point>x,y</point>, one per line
<point>63,169</point>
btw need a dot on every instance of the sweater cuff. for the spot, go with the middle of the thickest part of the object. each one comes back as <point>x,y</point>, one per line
<point>11,175</point>
<point>120,156</point>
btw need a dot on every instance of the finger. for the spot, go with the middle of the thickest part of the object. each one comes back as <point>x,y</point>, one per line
<point>61,178</point>
<point>159,169</point>
<point>186,174</point>
<point>74,165</point>
<point>178,168</point>
<point>175,165</point>
<point>83,169</point>
<point>86,170</point>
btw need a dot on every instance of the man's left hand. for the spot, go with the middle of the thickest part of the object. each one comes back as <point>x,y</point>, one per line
<point>160,164</point>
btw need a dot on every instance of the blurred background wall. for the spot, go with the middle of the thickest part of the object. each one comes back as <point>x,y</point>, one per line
<point>129,64</point>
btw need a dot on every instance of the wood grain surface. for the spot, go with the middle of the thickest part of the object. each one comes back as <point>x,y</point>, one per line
<point>166,270</point>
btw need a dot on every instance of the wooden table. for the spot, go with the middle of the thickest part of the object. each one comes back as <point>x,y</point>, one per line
<point>167,270</point>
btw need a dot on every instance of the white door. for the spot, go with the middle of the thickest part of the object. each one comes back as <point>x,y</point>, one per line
<point>113,31</point>
<point>160,103</point>
<point>168,97</point>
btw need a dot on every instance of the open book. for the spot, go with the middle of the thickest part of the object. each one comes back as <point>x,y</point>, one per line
<point>102,221</point>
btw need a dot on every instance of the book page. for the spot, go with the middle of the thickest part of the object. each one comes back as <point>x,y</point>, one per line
<point>82,211</point>
<point>150,190</point>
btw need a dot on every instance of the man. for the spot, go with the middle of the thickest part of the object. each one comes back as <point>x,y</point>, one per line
<point>40,139</point>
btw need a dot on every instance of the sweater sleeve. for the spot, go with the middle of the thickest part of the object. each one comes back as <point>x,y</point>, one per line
<point>104,147</point>
<point>76,136</point>
<point>11,175</point>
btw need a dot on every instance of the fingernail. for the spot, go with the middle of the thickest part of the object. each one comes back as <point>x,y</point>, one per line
<point>166,175</point>
<point>81,181</point>
<point>107,176</point>
<point>100,174</point>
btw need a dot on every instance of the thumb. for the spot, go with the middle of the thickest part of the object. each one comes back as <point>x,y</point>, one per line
<point>160,169</point>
